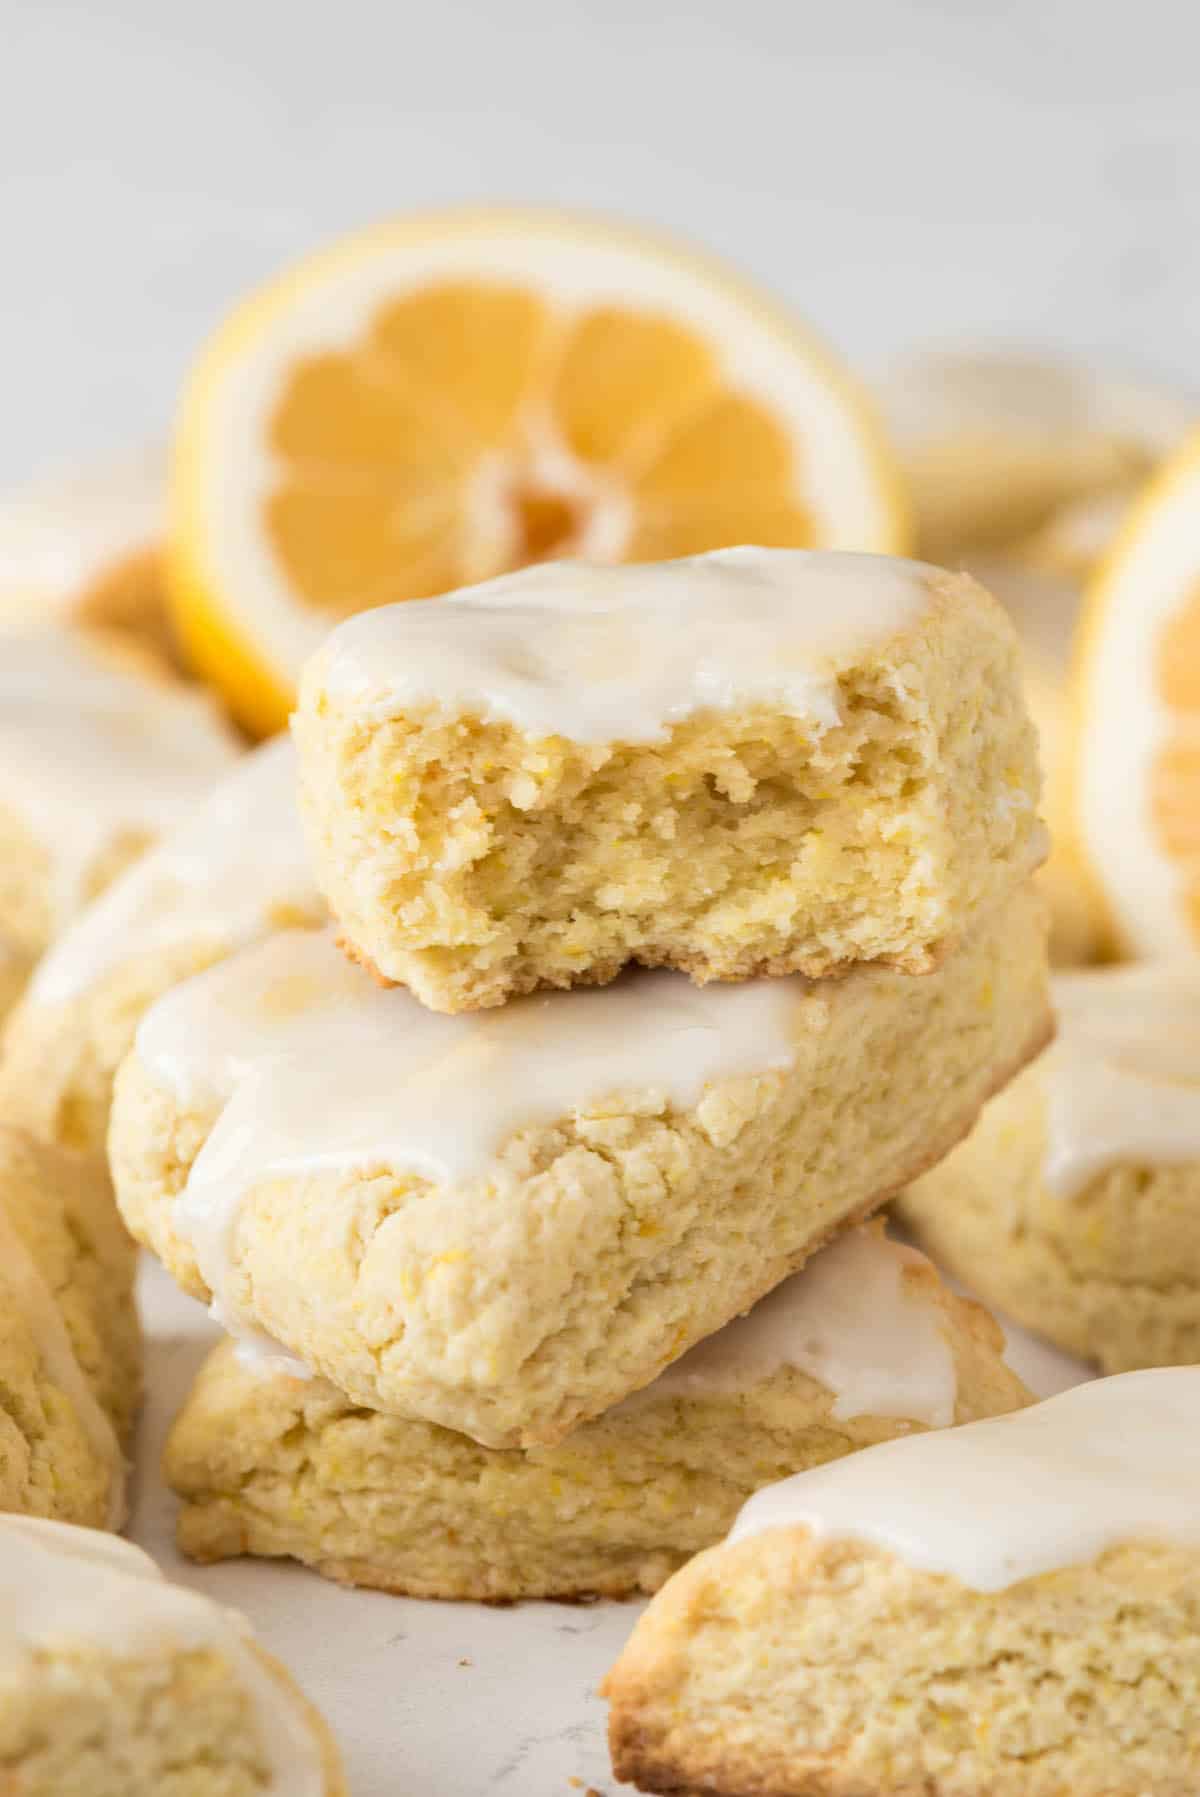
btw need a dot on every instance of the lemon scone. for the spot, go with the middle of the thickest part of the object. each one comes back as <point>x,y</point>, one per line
<point>1012,1608</point>
<point>864,1344</point>
<point>98,756</point>
<point>84,548</point>
<point>114,1683</point>
<point>70,1350</point>
<point>505,1222</point>
<point>1023,454</point>
<point>1075,1202</point>
<point>234,870</point>
<point>755,761</point>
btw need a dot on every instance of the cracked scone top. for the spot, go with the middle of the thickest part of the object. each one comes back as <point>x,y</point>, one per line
<point>1122,1081</point>
<point>97,758</point>
<point>319,1067</point>
<point>754,761</point>
<point>1109,1462</point>
<point>604,655</point>
<point>71,1591</point>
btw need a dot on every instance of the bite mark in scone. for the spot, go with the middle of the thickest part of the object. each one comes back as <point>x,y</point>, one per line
<point>234,870</point>
<point>1075,1203</point>
<point>70,1348</point>
<point>505,1223</point>
<point>866,1343</point>
<point>753,762</point>
<point>1012,1607</point>
<point>115,1683</point>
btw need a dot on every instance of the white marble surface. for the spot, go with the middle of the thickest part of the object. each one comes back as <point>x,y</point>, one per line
<point>902,170</point>
<point>427,1700</point>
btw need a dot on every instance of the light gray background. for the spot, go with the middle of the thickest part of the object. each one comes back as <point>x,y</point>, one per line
<point>958,170</point>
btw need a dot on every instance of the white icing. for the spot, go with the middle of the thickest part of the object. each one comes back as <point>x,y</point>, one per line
<point>994,1502</point>
<point>63,1587</point>
<point>1122,1082</point>
<point>29,1293</point>
<point>601,654</point>
<point>319,1068</point>
<point>851,1321</point>
<point>234,869</point>
<point>57,535</point>
<point>89,749</point>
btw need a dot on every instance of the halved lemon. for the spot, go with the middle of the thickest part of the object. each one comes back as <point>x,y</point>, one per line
<point>1136,752</point>
<point>451,396</point>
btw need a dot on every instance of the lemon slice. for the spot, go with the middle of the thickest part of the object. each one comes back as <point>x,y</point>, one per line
<point>451,396</point>
<point>1136,749</point>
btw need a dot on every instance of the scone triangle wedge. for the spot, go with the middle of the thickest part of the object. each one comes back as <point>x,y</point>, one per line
<point>506,1221</point>
<point>113,1679</point>
<point>1073,1204</point>
<point>1012,1607</point>
<point>865,1344</point>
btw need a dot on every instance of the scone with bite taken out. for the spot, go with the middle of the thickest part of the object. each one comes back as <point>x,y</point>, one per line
<point>100,752</point>
<point>1009,1608</point>
<point>114,1683</point>
<point>506,1222</point>
<point>235,869</point>
<point>1075,1202</point>
<point>70,1349</point>
<point>864,1344</point>
<point>751,762</point>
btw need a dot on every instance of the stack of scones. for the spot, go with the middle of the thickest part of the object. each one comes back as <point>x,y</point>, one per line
<point>681,916</point>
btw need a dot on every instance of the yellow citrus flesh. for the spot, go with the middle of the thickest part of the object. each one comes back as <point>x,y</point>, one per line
<point>447,399</point>
<point>1137,728</point>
